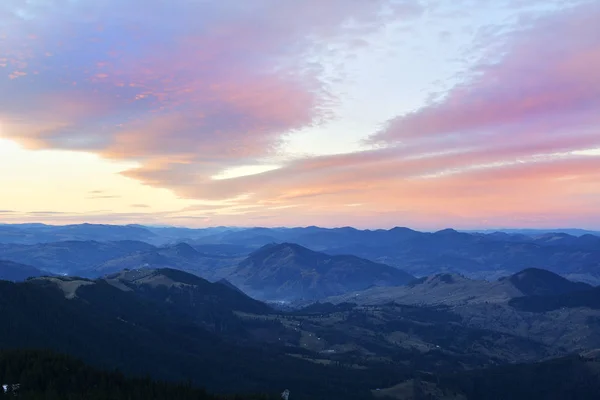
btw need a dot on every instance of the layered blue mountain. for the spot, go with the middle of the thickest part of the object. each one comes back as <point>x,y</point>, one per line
<point>289,272</point>
<point>476,255</point>
<point>11,271</point>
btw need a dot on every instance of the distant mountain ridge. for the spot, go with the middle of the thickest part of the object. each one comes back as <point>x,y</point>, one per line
<point>474,254</point>
<point>180,256</point>
<point>158,235</point>
<point>534,232</point>
<point>41,233</point>
<point>72,256</point>
<point>288,271</point>
<point>94,259</point>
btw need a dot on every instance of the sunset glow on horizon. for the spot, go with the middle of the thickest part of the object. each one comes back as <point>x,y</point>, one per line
<point>374,114</point>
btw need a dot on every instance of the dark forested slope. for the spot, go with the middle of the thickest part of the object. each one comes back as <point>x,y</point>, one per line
<point>119,328</point>
<point>43,375</point>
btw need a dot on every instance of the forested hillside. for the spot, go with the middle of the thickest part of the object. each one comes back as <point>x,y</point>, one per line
<point>42,375</point>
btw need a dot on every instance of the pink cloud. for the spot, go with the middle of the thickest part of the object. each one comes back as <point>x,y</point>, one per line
<point>545,85</point>
<point>206,78</point>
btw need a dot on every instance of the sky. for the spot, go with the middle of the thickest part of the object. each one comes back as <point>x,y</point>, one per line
<point>429,114</point>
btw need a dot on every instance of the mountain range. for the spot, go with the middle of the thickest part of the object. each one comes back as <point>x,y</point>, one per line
<point>472,254</point>
<point>275,272</point>
<point>327,313</point>
<point>70,257</point>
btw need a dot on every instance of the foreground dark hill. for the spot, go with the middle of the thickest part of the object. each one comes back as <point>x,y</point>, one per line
<point>11,271</point>
<point>49,376</point>
<point>143,326</point>
<point>574,377</point>
<point>212,303</point>
<point>291,272</point>
<point>177,326</point>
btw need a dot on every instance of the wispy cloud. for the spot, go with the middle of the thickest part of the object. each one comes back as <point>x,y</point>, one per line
<point>46,213</point>
<point>104,196</point>
<point>543,91</point>
<point>140,205</point>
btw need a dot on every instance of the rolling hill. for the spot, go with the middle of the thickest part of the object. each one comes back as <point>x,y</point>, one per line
<point>453,289</point>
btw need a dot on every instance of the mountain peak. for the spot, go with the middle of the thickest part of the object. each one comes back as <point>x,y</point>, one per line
<point>273,248</point>
<point>288,271</point>
<point>401,229</point>
<point>448,231</point>
<point>184,250</point>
